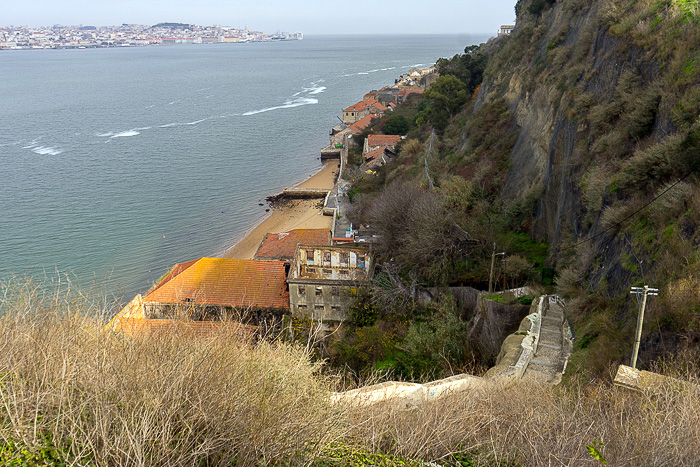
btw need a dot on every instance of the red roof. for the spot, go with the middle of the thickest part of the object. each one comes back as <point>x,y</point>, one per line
<point>408,91</point>
<point>373,155</point>
<point>362,105</point>
<point>282,245</point>
<point>383,140</point>
<point>362,124</point>
<point>226,282</point>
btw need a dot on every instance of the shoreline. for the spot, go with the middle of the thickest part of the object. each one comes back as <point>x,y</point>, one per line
<point>289,215</point>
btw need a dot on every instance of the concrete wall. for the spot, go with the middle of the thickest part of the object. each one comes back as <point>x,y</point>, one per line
<point>321,300</point>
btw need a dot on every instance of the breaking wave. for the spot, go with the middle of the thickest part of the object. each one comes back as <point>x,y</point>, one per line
<point>287,105</point>
<point>46,150</point>
<point>298,99</point>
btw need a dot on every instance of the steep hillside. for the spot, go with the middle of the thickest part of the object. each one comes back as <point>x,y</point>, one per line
<point>604,99</point>
<point>578,154</point>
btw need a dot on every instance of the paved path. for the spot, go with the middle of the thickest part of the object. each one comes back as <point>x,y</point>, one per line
<point>548,363</point>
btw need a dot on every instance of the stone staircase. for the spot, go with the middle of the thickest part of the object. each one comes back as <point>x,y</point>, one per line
<point>554,347</point>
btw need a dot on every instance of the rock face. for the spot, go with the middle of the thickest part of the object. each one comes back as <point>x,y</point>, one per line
<point>565,72</point>
<point>490,321</point>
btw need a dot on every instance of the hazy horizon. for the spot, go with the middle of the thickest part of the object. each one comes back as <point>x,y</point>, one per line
<point>311,17</point>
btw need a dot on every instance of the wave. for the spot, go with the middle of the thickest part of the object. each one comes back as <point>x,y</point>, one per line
<point>298,99</point>
<point>286,105</point>
<point>123,134</point>
<point>168,125</point>
<point>46,150</point>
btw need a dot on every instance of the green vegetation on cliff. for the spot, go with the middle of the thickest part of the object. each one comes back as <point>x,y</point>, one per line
<point>578,152</point>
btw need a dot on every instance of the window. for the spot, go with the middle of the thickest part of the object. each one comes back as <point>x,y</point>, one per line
<point>328,271</point>
<point>344,259</point>
<point>319,291</point>
<point>310,257</point>
<point>326,258</point>
<point>302,290</point>
<point>319,308</point>
<point>301,308</point>
<point>311,270</point>
<point>361,261</point>
<point>335,291</point>
<point>344,272</point>
<point>335,308</point>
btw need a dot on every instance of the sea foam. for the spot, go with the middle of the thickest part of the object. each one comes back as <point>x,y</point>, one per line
<point>47,150</point>
<point>286,105</point>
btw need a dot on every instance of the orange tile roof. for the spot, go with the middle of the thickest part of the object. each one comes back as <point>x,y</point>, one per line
<point>380,107</point>
<point>408,91</point>
<point>282,245</point>
<point>177,269</point>
<point>226,282</point>
<point>360,125</point>
<point>362,105</point>
<point>383,140</point>
<point>373,155</point>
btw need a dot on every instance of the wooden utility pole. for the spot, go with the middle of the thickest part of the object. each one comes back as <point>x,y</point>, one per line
<point>646,291</point>
<point>493,260</point>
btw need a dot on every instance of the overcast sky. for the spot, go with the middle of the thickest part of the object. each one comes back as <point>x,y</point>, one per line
<point>307,16</point>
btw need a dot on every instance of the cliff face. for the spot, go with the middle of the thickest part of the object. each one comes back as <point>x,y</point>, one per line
<point>604,100</point>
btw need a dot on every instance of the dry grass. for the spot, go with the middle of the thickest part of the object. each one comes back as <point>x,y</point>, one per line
<point>103,399</point>
<point>530,425</point>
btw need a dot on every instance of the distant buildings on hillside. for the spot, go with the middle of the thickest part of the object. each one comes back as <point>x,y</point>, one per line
<point>129,35</point>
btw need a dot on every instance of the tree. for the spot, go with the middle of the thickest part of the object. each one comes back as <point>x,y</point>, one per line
<point>396,125</point>
<point>444,99</point>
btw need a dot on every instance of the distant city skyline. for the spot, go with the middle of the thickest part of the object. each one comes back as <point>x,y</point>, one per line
<point>307,16</point>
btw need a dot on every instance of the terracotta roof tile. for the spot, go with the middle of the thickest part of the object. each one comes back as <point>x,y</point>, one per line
<point>282,245</point>
<point>362,124</point>
<point>383,140</point>
<point>226,282</point>
<point>373,155</point>
<point>362,105</point>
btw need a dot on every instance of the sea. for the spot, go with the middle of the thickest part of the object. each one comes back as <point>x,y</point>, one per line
<point>116,164</point>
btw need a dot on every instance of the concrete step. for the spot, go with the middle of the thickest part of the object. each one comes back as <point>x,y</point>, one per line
<point>546,363</point>
<point>551,339</point>
<point>547,354</point>
<point>549,346</point>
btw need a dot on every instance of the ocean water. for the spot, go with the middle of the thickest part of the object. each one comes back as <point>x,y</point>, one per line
<point>116,164</point>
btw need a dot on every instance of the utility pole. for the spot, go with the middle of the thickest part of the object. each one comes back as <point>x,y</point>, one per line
<point>505,263</point>
<point>646,291</point>
<point>493,260</point>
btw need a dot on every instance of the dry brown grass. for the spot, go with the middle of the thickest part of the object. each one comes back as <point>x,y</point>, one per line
<point>533,425</point>
<point>105,399</point>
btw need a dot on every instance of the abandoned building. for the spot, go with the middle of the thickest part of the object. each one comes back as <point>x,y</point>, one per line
<point>212,289</point>
<point>324,280</point>
<point>281,246</point>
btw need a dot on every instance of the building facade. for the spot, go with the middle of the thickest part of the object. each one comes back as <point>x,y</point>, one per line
<point>324,280</point>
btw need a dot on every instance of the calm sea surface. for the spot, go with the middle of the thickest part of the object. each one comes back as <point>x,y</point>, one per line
<point>116,164</point>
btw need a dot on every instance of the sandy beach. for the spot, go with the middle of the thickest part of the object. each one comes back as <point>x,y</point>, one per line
<point>293,214</point>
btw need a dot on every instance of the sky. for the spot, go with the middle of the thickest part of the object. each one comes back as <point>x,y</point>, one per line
<point>307,16</point>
